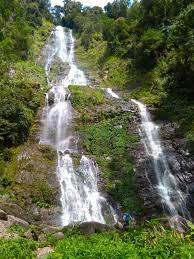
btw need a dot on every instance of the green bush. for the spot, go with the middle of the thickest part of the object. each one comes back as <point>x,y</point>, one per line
<point>19,248</point>
<point>44,196</point>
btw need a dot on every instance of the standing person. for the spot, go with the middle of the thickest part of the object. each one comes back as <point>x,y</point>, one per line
<point>127,218</point>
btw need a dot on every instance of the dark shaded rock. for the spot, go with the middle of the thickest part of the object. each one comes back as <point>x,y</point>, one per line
<point>3,215</point>
<point>15,210</point>
<point>51,98</point>
<point>89,228</point>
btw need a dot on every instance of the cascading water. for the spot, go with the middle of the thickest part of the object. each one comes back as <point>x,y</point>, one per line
<point>80,198</point>
<point>173,199</point>
<point>111,93</point>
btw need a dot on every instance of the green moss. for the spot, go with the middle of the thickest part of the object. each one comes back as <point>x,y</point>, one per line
<point>86,97</point>
<point>30,175</point>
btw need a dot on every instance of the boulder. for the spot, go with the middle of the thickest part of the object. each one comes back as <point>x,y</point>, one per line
<point>89,228</point>
<point>16,221</point>
<point>43,252</point>
<point>58,235</point>
<point>3,215</point>
<point>50,230</point>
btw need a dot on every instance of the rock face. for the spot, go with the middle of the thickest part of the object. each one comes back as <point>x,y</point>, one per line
<point>180,161</point>
<point>35,185</point>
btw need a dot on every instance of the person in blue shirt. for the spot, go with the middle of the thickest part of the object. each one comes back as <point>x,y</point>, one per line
<point>127,218</point>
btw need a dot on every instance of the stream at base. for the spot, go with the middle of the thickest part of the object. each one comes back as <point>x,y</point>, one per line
<point>80,199</point>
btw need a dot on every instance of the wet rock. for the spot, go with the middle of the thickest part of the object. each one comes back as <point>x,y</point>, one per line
<point>58,235</point>
<point>34,169</point>
<point>3,215</point>
<point>181,166</point>
<point>16,221</point>
<point>89,228</point>
<point>179,223</point>
<point>51,98</point>
<point>44,252</point>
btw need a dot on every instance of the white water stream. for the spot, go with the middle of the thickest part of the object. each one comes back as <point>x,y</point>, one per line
<point>80,199</point>
<point>173,199</point>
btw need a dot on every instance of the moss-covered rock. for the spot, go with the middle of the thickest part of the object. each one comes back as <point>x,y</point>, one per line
<point>32,179</point>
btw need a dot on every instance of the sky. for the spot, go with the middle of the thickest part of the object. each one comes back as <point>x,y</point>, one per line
<point>101,3</point>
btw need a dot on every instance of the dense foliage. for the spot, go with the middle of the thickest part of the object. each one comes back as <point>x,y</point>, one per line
<point>150,240</point>
<point>23,31</point>
<point>146,47</point>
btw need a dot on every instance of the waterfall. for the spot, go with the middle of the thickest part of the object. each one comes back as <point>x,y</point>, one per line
<point>80,198</point>
<point>111,93</point>
<point>172,198</point>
